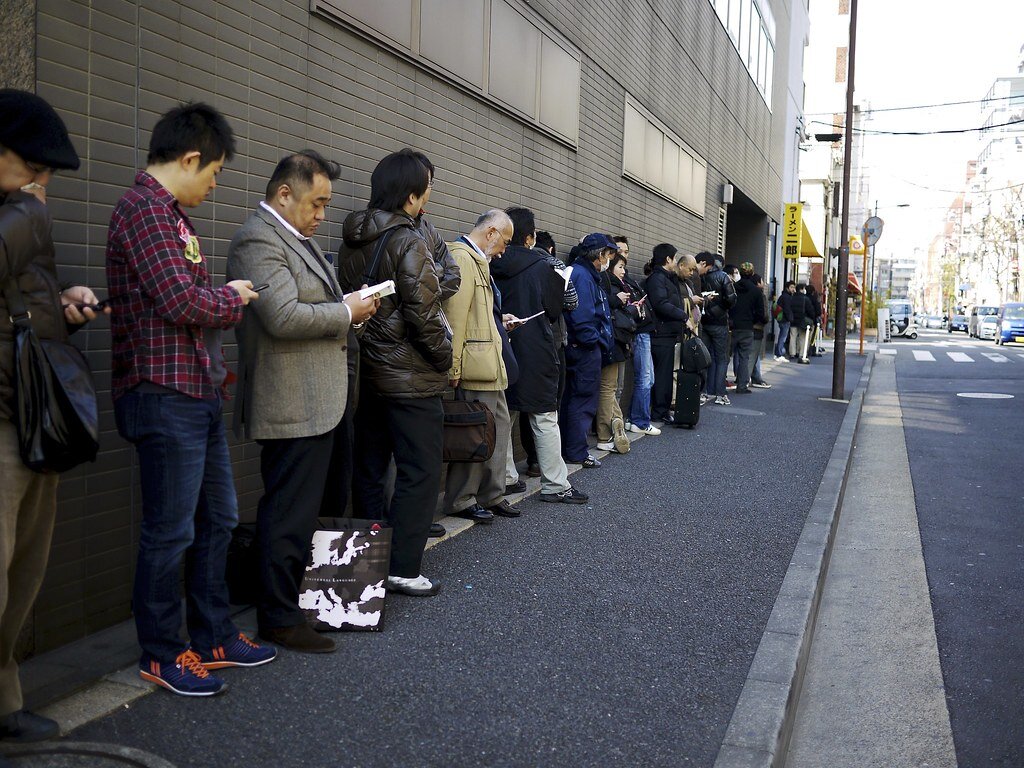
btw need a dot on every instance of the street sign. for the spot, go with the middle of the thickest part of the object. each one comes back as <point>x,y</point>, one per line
<point>873,229</point>
<point>792,231</point>
<point>856,246</point>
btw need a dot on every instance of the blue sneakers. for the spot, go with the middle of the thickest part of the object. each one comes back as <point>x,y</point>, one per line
<point>186,676</point>
<point>240,652</point>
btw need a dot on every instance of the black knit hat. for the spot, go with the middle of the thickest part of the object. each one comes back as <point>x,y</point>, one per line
<point>31,127</point>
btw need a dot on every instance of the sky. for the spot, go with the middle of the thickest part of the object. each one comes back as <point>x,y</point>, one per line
<point>912,53</point>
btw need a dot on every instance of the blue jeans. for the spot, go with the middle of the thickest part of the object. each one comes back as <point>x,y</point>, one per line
<point>643,380</point>
<point>780,344</point>
<point>716,337</point>
<point>189,509</point>
<point>579,403</point>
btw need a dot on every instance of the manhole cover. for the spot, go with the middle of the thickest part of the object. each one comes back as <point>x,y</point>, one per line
<point>984,395</point>
<point>72,754</point>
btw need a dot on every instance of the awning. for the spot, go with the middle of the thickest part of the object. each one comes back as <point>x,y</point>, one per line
<point>853,285</point>
<point>807,247</point>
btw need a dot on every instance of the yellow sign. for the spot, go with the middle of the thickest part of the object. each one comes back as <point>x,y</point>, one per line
<point>792,230</point>
<point>856,245</point>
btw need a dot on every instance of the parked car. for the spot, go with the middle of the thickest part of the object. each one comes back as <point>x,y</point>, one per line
<point>934,321</point>
<point>979,313</point>
<point>957,323</point>
<point>1010,323</point>
<point>987,327</point>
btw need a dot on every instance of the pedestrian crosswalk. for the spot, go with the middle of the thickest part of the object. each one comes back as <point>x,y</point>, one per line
<point>925,356</point>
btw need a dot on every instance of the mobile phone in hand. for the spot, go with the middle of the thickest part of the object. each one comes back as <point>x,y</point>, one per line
<point>98,307</point>
<point>260,287</point>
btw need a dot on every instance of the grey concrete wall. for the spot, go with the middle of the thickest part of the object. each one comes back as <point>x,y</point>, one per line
<point>289,80</point>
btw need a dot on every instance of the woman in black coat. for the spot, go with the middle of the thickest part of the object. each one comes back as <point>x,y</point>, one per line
<point>666,304</point>
<point>611,429</point>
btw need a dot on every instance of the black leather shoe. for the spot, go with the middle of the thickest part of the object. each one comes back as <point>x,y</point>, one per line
<point>519,486</point>
<point>437,531</point>
<point>533,470</point>
<point>23,726</point>
<point>504,509</point>
<point>302,638</point>
<point>477,514</point>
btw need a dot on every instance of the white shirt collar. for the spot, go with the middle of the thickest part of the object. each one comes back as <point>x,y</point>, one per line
<point>466,239</point>
<point>284,223</point>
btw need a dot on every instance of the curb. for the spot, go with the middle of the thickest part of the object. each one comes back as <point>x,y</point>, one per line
<point>759,732</point>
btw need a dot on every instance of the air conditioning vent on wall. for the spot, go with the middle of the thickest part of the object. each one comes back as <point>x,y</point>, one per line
<point>721,231</point>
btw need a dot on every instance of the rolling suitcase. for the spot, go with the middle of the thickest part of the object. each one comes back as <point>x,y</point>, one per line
<point>687,410</point>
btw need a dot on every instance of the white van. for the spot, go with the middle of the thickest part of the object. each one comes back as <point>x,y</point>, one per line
<point>978,313</point>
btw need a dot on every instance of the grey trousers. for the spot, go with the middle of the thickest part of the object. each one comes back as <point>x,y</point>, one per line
<point>28,505</point>
<point>554,477</point>
<point>468,483</point>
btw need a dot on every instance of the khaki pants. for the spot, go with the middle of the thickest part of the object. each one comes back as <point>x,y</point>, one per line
<point>468,483</point>
<point>608,404</point>
<point>28,505</point>
<point>554,476</point>
<point>796,341</point>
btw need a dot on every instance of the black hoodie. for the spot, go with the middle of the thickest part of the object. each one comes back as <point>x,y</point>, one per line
<point>529,285</point>
<point>749,309</point>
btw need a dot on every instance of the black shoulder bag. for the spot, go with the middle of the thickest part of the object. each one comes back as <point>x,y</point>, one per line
<point>54,396</point>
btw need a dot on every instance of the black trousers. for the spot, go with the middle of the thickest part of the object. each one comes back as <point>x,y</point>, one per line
<point>298,487</point>
<point>410,430</point>
<point>663,351</point>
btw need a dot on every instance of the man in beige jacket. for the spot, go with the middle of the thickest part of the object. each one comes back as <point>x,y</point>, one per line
<point>474,490</point>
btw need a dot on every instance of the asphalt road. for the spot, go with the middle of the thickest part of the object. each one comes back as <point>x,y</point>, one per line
<point>965,458</point>
<point>614,634</point>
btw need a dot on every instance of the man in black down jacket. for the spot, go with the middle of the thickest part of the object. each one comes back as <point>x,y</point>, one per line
<point>748,311</point>
<point>666,303</point>
<point>715,323</point>
<point>802,318</point>
<point>405,354</point>
<point>529,285</point>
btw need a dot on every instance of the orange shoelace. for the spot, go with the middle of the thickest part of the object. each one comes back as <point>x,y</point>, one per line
<point>189,660</point>
<point>246,640</point>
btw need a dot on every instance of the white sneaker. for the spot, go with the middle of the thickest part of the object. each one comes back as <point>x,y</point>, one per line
<point>781,359</point>
<point>723,400</point>
<point>651,430</point>
<point>421,586</point>
<point>609,446</point>
<point>631,427</point>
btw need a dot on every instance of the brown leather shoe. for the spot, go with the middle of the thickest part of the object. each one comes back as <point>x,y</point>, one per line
<point>302,638</point>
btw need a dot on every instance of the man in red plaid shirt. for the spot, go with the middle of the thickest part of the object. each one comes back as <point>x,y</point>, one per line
<point>168,383</point>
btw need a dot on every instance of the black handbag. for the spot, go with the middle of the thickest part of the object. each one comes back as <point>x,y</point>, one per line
<point>694,355</point>
<point>54,396</point>
<point>469,431</point>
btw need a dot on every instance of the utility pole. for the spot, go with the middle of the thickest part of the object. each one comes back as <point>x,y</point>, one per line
<point>839,358</point>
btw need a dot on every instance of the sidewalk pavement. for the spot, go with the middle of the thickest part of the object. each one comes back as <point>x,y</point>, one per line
<point>873,694</point>
<point>616,633</point>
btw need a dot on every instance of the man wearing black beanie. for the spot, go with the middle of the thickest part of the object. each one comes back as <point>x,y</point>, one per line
<point>33,144</point>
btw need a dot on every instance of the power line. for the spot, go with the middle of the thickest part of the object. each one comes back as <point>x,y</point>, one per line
<point>870,111</point>
<point>873,132</point>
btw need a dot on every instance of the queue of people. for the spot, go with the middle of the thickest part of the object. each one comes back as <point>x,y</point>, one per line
<point>344,363</point>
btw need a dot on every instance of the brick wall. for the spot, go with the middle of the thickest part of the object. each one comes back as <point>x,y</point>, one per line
<point>288,80</point>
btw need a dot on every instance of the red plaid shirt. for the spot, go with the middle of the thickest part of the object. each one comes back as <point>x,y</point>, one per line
<point>161,295</point>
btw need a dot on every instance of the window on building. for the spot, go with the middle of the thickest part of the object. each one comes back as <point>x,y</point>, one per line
<point>498,50</point>
<point>751,27</point>
<point>656,158</point>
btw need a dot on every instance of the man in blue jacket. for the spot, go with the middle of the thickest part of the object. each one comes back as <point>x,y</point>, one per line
<point>589,328</point>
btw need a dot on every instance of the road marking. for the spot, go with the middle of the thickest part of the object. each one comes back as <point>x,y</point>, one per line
<point>924,355</point>
<point>960,357</point>
<point>1021,357</point>
<point>887,351</point>
<point>984,395</point>
<point>996,357</point>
